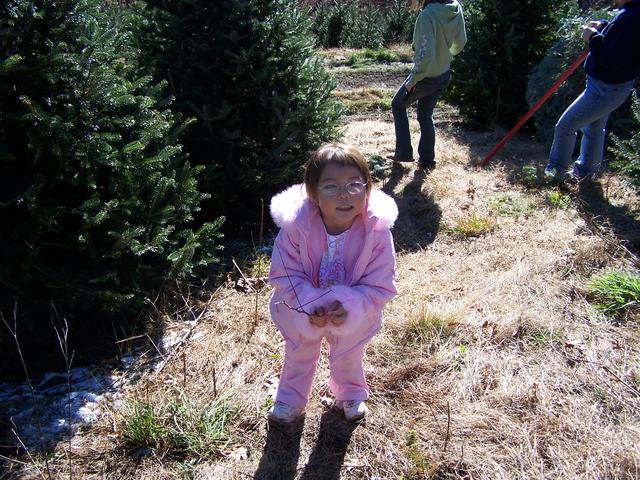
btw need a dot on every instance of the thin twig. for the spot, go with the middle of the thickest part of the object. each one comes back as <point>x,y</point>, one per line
<point>631,388</point>
<point>64,349</point>
<point>259,259</point>
<point>160,354</point>
<point>300,307</point>
<point>290,282</point>
<point>603,234</point>
<point>135,337</point>
<point>36,409</point>
<point>446,438</point>
<point>184,370</point>
<point>14,430</point>
<point>13,460</point>
<point>242,274</point>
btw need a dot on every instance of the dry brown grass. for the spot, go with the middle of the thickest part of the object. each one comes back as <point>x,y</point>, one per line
<point>491,364</point>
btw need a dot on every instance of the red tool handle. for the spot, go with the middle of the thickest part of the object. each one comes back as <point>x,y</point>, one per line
<point>535,108</point>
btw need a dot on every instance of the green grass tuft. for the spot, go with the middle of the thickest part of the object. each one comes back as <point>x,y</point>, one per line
<point>530,176</point>
<point>415,454</point>
<point>429,328</point>
<point>474,225</point>
<point>559,199</point>
<point>181,424</point>
<point>144,425</point>
<point>616,292</point>
<point>371,56</point>
<point>508,205</point>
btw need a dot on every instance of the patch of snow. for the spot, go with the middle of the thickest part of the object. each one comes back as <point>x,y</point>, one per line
<point>197,335</point>
<point>169,340</point>
<point>127,360</point>
<point>61,410</point>
<point>65,403</point>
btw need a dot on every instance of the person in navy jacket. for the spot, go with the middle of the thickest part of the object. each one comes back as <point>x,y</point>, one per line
<point>612,66</point>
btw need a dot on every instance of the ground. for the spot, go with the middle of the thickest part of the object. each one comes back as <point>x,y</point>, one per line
<point>492,363</point>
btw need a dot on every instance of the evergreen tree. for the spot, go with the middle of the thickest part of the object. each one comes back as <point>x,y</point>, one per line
<point>399,22</point>
<point>365,28</point>
<point>506,39</point>
<point>246,69</point>
<point>95,195</point>
<point>331,22</point>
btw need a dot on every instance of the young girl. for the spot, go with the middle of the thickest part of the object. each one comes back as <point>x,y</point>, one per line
<point>333,268</point>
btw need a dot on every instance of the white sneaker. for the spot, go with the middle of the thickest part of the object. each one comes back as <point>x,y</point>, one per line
<point>353,409</point>
<point>283,413</point>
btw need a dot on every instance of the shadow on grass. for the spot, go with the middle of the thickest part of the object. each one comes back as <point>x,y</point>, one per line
<point>419,215</point>
<point>520,151</point>
<point>327,457</point>
<point>620,220</point>
<point>281,452</point>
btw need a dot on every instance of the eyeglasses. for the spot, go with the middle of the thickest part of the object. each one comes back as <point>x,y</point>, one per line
<point>332,189</point>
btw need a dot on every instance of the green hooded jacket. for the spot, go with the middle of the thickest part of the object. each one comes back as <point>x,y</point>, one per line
<point>439,34</point>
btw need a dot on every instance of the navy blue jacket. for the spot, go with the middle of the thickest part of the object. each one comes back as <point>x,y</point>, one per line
<point>614,53</point>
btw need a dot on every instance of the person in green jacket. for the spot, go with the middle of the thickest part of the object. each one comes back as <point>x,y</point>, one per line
<point>439,33</point>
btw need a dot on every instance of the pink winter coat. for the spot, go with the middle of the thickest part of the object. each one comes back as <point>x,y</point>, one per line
<point>369,259</point>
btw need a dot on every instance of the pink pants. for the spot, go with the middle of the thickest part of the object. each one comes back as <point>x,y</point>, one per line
<point>347,380</point>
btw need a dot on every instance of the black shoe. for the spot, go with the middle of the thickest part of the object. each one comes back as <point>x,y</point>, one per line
<point>579,184</point>
<point>400,159</point>
<point>427,165</point>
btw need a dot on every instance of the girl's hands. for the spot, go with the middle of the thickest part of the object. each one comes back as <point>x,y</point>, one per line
<point>336,314</point>
<point>318,318</point>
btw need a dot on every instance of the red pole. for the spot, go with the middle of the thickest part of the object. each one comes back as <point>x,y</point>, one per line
<point>535,108</point>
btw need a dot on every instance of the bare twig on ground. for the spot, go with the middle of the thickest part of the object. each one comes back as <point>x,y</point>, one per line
<point>14,430</point>
<point>62,335</point>
<point>247,282</point>
<point>633,390</point>
<point>446,438</point>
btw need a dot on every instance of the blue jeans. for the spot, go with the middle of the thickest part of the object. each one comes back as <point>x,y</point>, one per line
<point>426,92</point>
<point>589,113</point>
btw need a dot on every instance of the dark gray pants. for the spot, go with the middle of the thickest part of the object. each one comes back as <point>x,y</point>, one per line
<point>427,93</point>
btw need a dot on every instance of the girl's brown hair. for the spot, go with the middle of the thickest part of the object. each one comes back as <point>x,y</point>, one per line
<point>337,154</point>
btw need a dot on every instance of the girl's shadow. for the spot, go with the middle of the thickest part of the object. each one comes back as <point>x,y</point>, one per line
<point>327,457</point>
<point>282,450</point>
